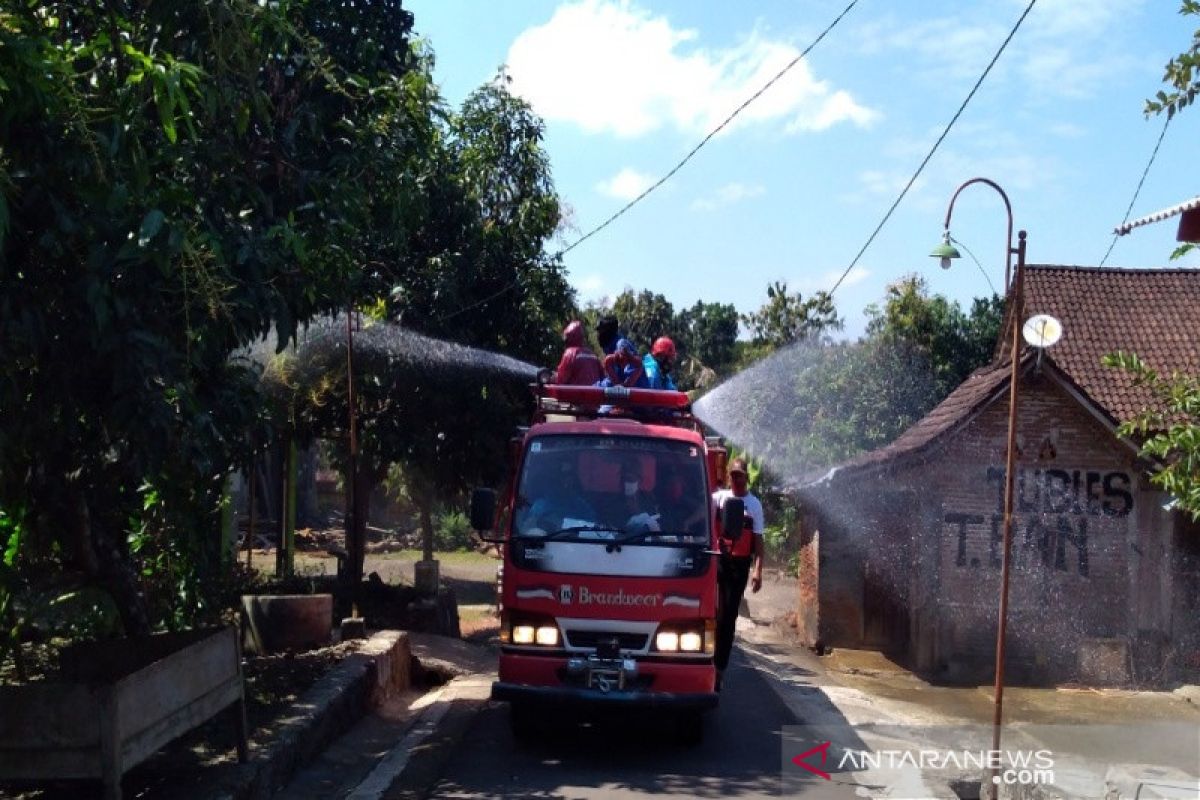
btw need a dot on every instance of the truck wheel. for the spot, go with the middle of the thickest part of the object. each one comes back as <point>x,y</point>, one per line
<point>689,728</point>
<point>522,721</point>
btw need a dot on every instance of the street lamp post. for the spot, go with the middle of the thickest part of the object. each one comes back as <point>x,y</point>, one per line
<point>1013,286</point>
<point>353,546</point>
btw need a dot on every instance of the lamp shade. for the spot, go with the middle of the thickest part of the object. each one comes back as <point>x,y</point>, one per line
<point>945,250</point>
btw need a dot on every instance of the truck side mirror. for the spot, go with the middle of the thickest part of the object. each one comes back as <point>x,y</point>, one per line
<point>733,517</point>
<point>483,509</point>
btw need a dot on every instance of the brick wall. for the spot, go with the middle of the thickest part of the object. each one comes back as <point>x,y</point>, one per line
<point>1091,548</point>
<point>809,582</point>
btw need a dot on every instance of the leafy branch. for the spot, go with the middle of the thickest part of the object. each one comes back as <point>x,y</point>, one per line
<point>1168,431</point>
<point>1181,74</point>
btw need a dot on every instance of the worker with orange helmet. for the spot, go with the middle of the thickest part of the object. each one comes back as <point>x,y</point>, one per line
<point>659,363</point>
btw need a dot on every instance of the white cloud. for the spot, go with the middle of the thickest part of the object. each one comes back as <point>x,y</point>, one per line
<point>590,284</point>
<point>1055,19</point>
<point>1064,71</point>
<point>984,150</point>
<point>886,183</point>
<point>835,108</point>
<point>948,48</point>
<point>1065,48</point>
<point>610,66</point>
<point>727,195</point>
<point>1016,171</point>
<point>1067,130</point>
<point>625,185</point>
<point>592,288</point>
<point>825,281</point>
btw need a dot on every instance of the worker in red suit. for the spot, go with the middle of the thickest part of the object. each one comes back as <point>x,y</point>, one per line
<point>579,366</point>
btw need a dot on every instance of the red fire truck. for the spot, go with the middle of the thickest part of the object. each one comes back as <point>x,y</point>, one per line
<point>608,597</point>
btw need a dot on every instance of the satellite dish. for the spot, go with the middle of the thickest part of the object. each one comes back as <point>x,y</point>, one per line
<point>1042,330</point>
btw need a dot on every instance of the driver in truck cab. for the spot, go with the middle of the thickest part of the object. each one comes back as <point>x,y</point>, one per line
<point>552,497</point>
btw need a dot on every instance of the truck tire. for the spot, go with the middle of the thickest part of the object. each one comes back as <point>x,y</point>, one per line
<point>689,728</point>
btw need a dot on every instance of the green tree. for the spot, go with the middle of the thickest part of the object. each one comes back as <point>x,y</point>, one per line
<point>508,295</point>
<point>441,413</point>
<point>1169,431</point>
<point>917,350</point>
<point>815,403</point>
<point>953,343</point>
<point>177,179</point>
<point>644,317</point>
<point>475,272</point>
<point>708,336</point>
<point>787,317</point>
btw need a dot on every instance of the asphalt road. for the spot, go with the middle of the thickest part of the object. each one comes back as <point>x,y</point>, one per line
<point>632,756</point>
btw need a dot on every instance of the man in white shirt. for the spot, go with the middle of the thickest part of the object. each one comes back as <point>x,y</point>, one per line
<point>741,560</point>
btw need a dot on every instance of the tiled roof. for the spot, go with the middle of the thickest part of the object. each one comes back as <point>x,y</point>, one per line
<point>1154,313</point>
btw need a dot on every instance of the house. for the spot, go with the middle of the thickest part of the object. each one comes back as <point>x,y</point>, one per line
<point>901,547</point>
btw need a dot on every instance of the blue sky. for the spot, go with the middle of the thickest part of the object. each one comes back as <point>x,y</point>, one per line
<point>794,187</point>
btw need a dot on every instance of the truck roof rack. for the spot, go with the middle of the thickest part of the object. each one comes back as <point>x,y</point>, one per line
<point>591,402</point>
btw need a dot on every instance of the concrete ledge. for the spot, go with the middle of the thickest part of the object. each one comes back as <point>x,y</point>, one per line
<point>327,710</point>
<point>274,623</point>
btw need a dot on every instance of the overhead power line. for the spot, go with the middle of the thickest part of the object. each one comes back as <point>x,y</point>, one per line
<point>1138,190</point>
<point>986,277</point>
<point>711,133</point>
<point>691,153</point>
<point>936,145</point>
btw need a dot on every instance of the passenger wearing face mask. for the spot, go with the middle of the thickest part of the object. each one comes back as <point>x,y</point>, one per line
<point>638,511</point>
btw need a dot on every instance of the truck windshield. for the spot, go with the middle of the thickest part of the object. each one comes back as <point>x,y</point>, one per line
<point>633,490</point>
<point>615,505</point>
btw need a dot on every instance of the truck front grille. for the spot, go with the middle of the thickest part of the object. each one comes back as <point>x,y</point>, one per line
<point>590,639</point>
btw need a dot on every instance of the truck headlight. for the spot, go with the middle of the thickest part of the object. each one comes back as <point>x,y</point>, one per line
<point>529,629</point>
<point>684,639</point>
<point>667,641</point>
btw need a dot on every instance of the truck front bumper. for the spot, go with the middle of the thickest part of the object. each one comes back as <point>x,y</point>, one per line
<point>532,678</point>
<point>577,696</point>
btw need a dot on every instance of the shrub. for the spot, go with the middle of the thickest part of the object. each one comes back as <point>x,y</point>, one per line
<point>778,546</point>
<point>452,531</point>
